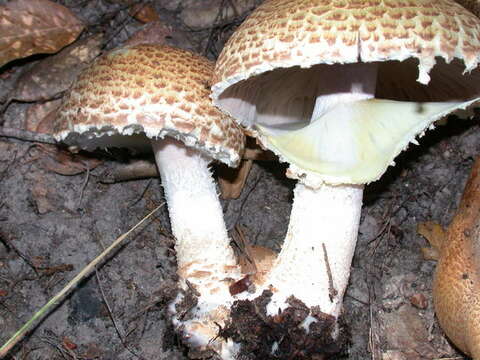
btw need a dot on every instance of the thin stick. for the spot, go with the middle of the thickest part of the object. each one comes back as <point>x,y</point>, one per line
<point>58,297</point>
<point>26,135</point>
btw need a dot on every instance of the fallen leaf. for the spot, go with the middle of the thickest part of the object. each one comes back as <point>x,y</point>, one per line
<point>232,181</point>
<point>406,329</point>
<point>255,151</point>
<point>419,301</point>
<point>40,194</point>
<point>144,13</point>
<point>55,74</point>
<point>154,32</point>
<point>3,292</point>
<point>63,162</point>
<point>38,117</point>
<point>35,26</point>
<point>68,344</point>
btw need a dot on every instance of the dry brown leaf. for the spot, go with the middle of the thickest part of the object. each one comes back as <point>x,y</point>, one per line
<point>63,162</point>
<point>232,181</point>
<point>41,195</point>
<point>38,117</point>
<point>35,26</point>
<point>144,13</point>
<point>254,150</point>
<point>55,74</point>
<point>154,32</point>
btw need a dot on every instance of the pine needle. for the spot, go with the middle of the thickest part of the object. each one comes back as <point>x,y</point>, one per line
<point>60,295</point>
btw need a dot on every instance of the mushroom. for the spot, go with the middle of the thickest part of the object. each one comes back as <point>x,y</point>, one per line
<point>159,94</point>
<point>456,284</point>
<point>329,86</point>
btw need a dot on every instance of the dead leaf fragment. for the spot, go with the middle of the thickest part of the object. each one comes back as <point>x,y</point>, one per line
<point>41,195</point>
<point>144,13</point>
<point>38,117</point>
<point>154,32</point>
<point>419,301</point>
<point>65,163</point>
<point>232,181</point>
<point>55,74</point>
<point>35,26</point>
<point>68,344</point>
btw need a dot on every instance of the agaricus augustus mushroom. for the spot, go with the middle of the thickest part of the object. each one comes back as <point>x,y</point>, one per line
<point>338,88</point>
<point>156,94</point>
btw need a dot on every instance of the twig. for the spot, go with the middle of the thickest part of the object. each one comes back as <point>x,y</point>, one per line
<point>26,135</point>
<point>137,169</point>
<point>22,256</point>
<point>60,295</point>
<point>259,177</point>
<point>84,185</point>
<point>332,292</point>
<point>142,194</point>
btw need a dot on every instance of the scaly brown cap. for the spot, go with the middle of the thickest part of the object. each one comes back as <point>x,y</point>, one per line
<point>152,89</point>
<point>286,33</point>
<point>284,71</point>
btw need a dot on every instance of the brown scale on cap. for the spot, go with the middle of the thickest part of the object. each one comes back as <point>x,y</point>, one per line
<point>285,33</point>
<point>156,89</point>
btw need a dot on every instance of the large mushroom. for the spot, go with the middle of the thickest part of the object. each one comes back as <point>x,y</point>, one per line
<point>338,88</point>
<point>456,284</point>
<point>137,95</point>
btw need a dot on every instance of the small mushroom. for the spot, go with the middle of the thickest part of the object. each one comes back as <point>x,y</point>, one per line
<point>338,89</point>
<point>142,94</point>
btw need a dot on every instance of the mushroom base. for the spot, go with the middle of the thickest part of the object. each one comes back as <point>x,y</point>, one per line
<point>314,263</point>
<point>284,336</point>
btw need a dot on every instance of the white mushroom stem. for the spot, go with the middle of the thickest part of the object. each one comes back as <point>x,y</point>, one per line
<point>314,264</point>
<point>204,255</point>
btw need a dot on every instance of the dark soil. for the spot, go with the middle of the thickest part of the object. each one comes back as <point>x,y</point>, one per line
<point>52,225</point>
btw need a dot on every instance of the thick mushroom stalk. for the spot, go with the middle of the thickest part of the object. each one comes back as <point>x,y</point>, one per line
<point>314,263</point>
<point>204,256</point>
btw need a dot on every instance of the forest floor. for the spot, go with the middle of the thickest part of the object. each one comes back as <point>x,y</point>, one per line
<point>56,215</point>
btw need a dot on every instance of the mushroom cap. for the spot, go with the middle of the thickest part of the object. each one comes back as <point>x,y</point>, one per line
<point>152,90</point>
<point>287,52</point>
<point>286,33</point>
